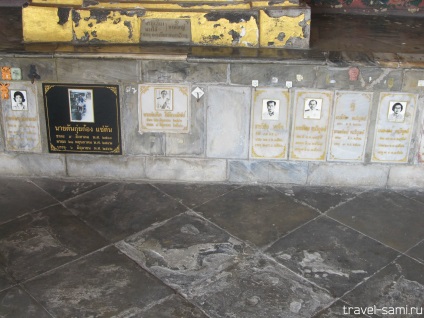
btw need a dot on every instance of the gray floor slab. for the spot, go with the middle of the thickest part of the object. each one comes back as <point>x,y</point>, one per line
<point>119,210</point>
<point>417,252</point>
<point>257,287</point>
<point>197,251</point>
<point>103,284</point>
<point>192,195</point>
<point>5,280</point>
<point>15,302</point>
<point>321,198</point>
<point>331,255</point>
<point>417,195</point>
<point>63,190</point>
<point>386,216</point>
<point>18,196</point>
<point>258,214</point>
<point>41,241</point>
<point>401,285</point>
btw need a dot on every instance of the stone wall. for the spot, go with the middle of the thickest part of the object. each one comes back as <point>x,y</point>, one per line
<point>218,147</point>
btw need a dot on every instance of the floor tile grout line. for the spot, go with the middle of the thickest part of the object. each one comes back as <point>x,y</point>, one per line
<point>365,235</point>
<point>347,201</point>
<point>88,192</point>
<point>29,213</point>
<point>412,247</point>
<point>368,278</point>
<point>296,200</point>
<point>264,248</point>
<point>66,264</point>
<point>196,206</point>
<point>174,290</point>
<point>400,193</point>
<point>36,300</point>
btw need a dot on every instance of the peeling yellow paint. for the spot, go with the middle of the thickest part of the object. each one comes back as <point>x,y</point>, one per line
<point>118,28</point>
<point>217,33</point>
<point>271,28</point>
<point>218,5</point>
<point>60,2</point>
<point>266,4</point>
<point>40,24</point>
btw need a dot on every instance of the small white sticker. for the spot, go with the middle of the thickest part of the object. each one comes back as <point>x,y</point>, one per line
<point>289,84</point>
<point>255,83</point>
<point>274,80</point>
<point>197,92</point>
<point>421,83</point>
<point>299,77</point>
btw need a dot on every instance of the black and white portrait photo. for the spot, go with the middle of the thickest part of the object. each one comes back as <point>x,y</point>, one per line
<point>270,109</point>
<point>396,112</point>
<point>19,100</point>
<point>81,105</point>
<point>163,99</point>
<point>312,108</point>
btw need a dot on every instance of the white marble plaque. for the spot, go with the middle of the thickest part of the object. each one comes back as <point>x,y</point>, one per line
<point>269,125</point>
<point>393,129</point>
<point>20,118</point>
<point>421,150</point>
<point>164,108</point>
<point>349,126</point>
<point>311,119</point>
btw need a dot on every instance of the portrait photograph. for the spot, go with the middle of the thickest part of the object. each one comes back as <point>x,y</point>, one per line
<point>396,112</point>
<point>312,108</point>
<point>19,100</point>
<point>81,105</point>
<point>270,109</point>
<point>164,99</point>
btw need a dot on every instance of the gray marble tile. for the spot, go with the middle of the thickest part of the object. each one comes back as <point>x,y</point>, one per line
<point>197,252</point>
<point>173,306</point>
<point>341,309</point>
<point>18,196</point>
<point>192,195</point>
<point>258,214</point>
<point>103,284</point>
<point>321,198</point>
<point>401,284</point>
<point>331,255</point>
<point>62,190</point>
<point>417,252</point>
<point>417,195</point>
<point>41,241</point>
<point>386,216</point>
<point>258,287</point>
<point>15,302</point>
<point>118,210</point>
<point>5,280</point>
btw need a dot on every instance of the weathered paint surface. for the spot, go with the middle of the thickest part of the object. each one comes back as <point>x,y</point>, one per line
<point>277,3</point>
<point>277,31</point>
<point>61,2</point>
<point>106,26</point>
<point>221,29</point>
<point>192,5</point>
<point>46,24</point>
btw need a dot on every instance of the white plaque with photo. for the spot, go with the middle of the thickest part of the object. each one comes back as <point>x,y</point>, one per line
<point>394,127</point>
<point>164,108</point>
<point>269,125</point>
<point>311,119</point>
<point>21,119</point>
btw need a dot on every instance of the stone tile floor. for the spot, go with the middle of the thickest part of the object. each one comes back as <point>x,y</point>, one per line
<point>116,249</point>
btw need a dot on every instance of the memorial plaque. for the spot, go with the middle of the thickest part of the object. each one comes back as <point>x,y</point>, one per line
<point>83,118</point>
<point>166,30</point>
<point>349,126</point>
<point>164,108</point>
<point>393,129</point>
<point>20,118</point>
<point>311,119</point>
<point>269,126</point>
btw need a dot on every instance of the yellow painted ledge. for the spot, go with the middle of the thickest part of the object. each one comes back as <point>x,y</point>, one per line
<point>46,24</point>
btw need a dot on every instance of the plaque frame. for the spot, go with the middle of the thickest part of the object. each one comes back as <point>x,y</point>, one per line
<point>99,135</point>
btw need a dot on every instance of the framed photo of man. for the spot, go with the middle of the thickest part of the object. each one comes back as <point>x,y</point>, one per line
<point>270,109</point>
<point>312,108</point>
<point>164,99</point>
<point>81,105</point>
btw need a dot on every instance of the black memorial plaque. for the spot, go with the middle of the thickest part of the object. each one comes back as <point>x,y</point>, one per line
<point>82,118</point>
